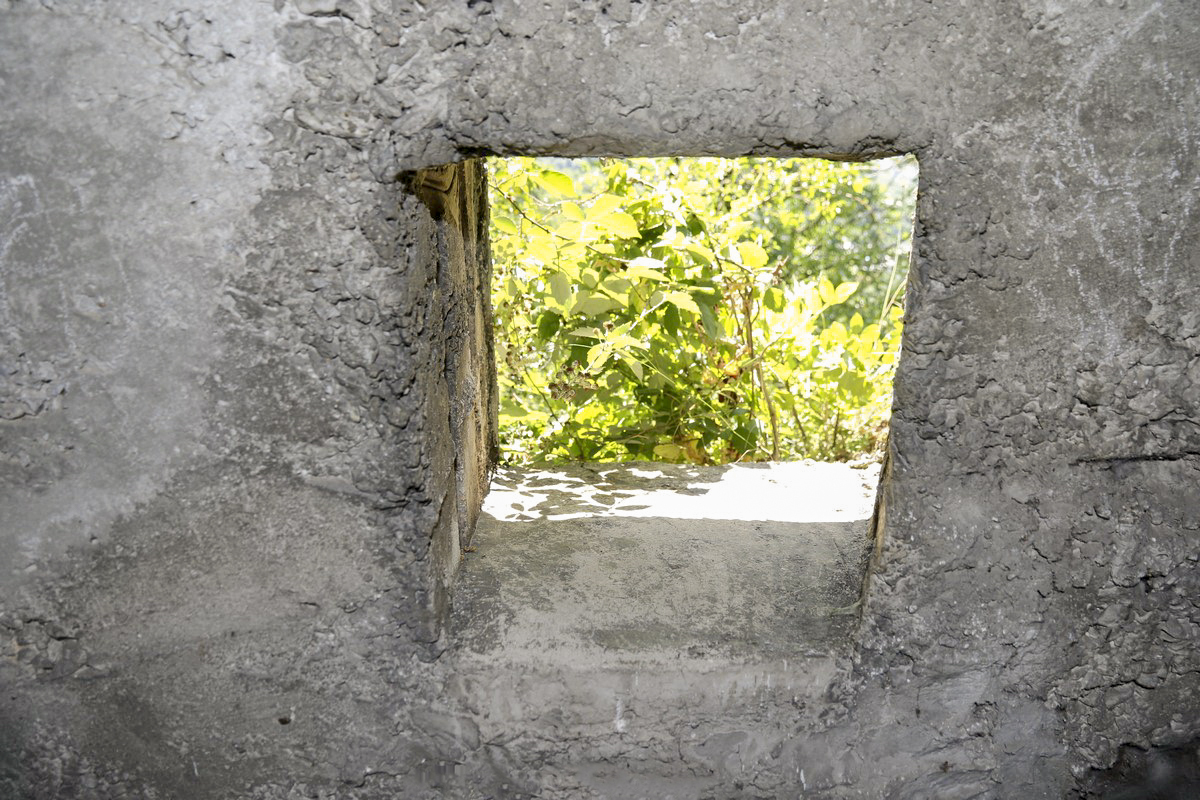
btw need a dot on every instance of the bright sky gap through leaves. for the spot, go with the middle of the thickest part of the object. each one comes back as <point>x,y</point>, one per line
<point>700,310</point>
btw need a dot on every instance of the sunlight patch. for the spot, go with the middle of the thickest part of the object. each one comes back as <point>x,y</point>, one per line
<point>784,492</point>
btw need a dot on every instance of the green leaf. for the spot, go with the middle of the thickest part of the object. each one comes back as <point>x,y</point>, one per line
<point>708,316</point>
<point>701,252</point>
<point>648,268</point>
<point>548,324</point>
<point>598,356</point>
<point>569,232</point>
<point>603,205</point>
<point>622,342</point>
<point>682,300</point>
<point>854,383</point>
<point>620,223</point>
<point>837,332</point>
<point>753,256</point>
<point>560,288</point>
<point>669,452</point>
<point>556,182</point>
<point>827,293</point>
<point>745,435</point>
<point>670,320</point>
<point>591,305</point>
<point>542,249</point>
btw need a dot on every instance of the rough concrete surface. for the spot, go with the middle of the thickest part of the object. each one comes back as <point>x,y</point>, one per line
<point>650,563</point>
<point>245,398</point>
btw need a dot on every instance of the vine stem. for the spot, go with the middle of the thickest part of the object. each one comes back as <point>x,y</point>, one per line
<point>747,309</point>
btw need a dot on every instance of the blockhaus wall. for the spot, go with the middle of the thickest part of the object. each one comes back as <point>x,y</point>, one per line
<point>246,392</point>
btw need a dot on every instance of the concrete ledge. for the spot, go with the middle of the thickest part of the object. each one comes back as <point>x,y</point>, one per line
<point>620,565</point>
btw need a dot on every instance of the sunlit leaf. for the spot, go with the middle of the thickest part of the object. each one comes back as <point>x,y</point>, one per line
<point>827,291</point>
<point>701,252</point>
<point>623,342</point>
<point>838,333</point>
<point>598,356</point>
<point>570,252</point>
<point>603,205</point>
<point>543,249</point>
<point>568,233</point>
<point>753,256</point>
<point>649,268</point>
<point>682,300</point>
<point>620,223</point>
<point>556,182</point>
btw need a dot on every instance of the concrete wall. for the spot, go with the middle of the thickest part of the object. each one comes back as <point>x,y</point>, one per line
<point>245,420</point>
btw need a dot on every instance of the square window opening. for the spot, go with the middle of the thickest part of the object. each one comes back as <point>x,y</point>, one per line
<point>695,359</point>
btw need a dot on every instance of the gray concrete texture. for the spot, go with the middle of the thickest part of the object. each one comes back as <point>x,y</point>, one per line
<point>246,396</point>
<point>644,564</point>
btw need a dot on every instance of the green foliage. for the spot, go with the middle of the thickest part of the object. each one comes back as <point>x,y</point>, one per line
<point>703,310</point>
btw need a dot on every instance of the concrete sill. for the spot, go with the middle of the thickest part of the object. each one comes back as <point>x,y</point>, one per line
<point>626,565</point>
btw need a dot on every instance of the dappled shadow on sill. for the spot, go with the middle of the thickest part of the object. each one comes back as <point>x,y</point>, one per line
<point>579,565</point>
<point>801,491</point>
